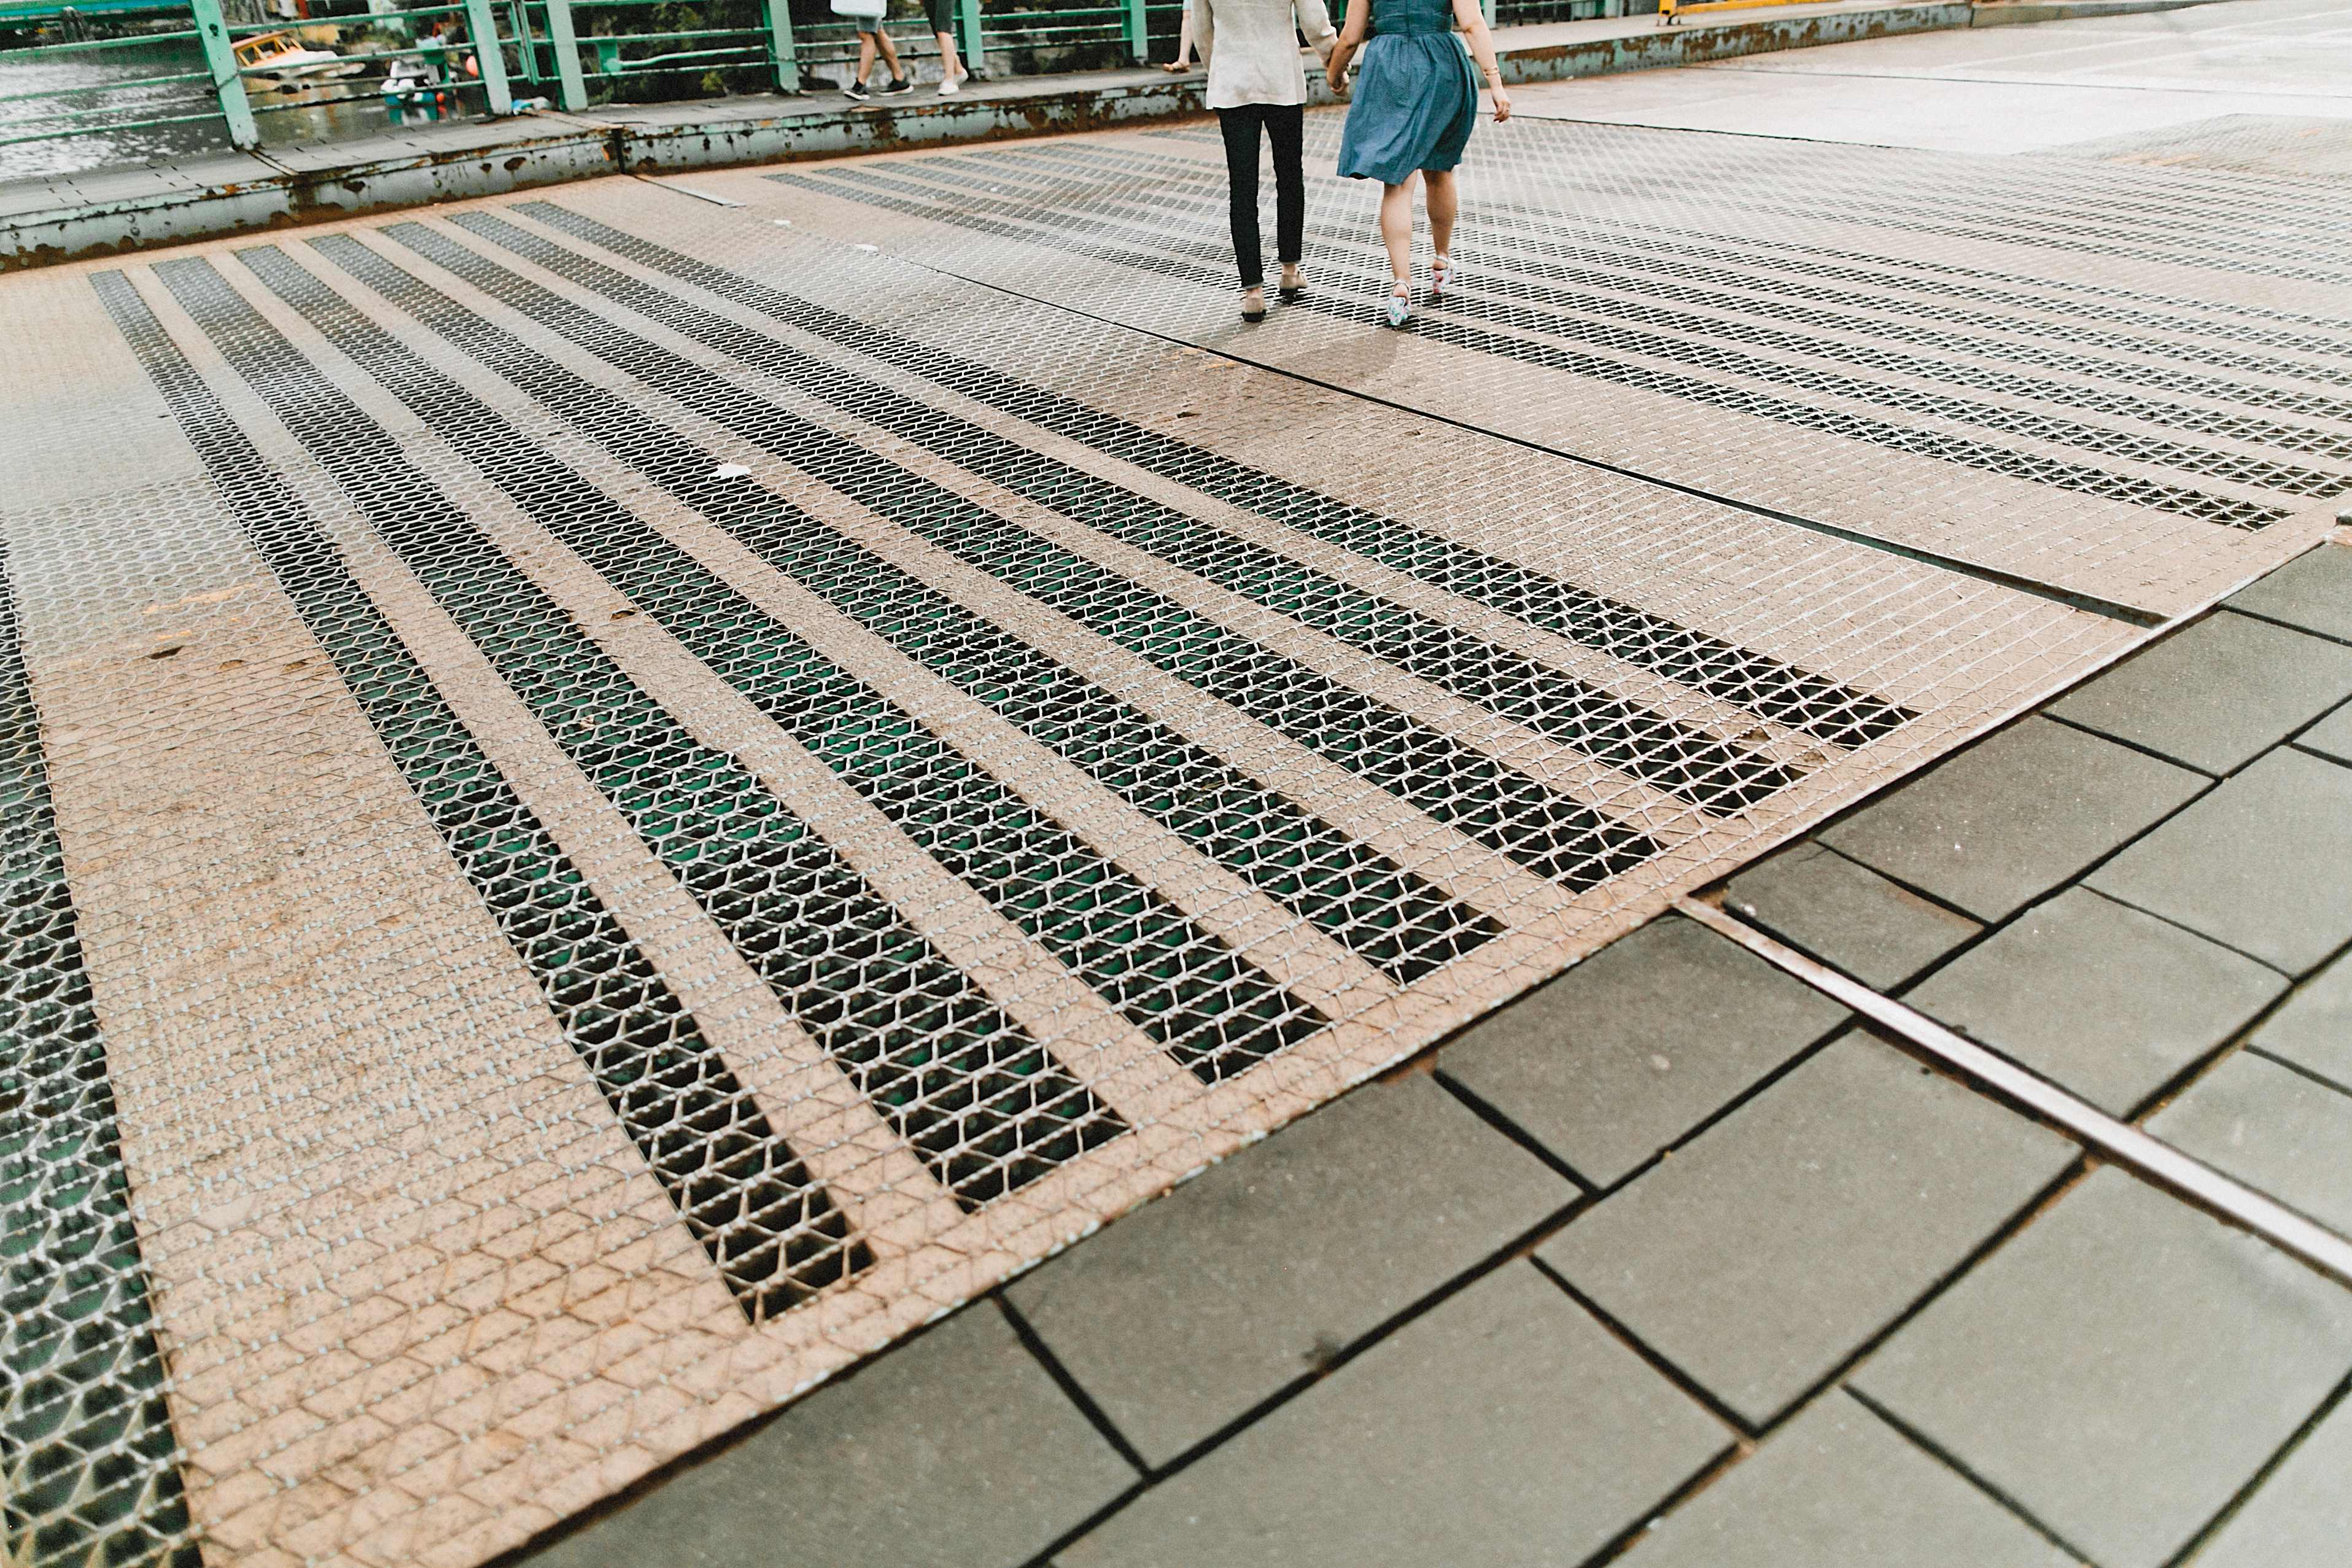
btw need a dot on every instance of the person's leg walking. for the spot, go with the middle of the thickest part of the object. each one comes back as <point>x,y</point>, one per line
<point>1286,133</point>
<point>898,82</point>
<point>1239,129</point>
<point>1396,233</point>
<point>1396,227</point>
<point>1442,200</point>
<point>942,19</point>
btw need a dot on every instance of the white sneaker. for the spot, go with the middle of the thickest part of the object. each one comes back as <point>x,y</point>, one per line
<point>950,85</point>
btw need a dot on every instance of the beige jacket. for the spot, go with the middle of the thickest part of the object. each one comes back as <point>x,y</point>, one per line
<point>1251,47</point>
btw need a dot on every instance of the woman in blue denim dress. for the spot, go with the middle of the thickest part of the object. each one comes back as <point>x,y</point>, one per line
<point>1415,100</point>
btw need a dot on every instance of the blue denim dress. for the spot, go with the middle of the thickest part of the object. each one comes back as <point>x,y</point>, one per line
<point>1416,97</point>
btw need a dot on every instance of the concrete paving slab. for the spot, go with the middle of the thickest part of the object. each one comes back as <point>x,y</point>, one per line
<point>2303,1515</point>
<point>2102,998</point>
<point>2257,865</point>
<point>2120,1369</point>
<point>1838,1487</point>
<point>2003,824</point>
<point>955,1451</point>
<point>2273,1128</point>
<point>1847,915</point>
<point>2314,1029</point>
<point>2331,737</point>
<point>1466,1438</point>
<point>1184,1315</point>
<point>2314,591</point>
<point>2217,695</point>
<point>1632,1048</point>
<point>1774,1246</point>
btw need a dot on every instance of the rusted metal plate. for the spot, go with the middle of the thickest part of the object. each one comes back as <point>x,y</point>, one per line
<point>635,799</point>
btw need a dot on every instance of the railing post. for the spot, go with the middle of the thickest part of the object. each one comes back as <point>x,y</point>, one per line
<point>782,58</point>
<point>1487,8</point>
<point>488,57</point>
<point>220,59</point>
<point>526,51</point>
<point>968,44</point>
<point>571,92</point>
<point>1138,39</point>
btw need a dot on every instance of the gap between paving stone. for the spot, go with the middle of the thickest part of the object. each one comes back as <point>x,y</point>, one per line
<point>1436,1299</point>
<point>1460,1087</point>
<point>2023,1219</point>
<point>2289,720</point>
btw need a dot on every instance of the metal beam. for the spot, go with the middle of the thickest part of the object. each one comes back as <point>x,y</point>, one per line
<point>570,89</point>
<point>482,24</point>
<point>2117,1142</point>
<point>783,58</point>
<point>970,45</point>
<point>228,87</point>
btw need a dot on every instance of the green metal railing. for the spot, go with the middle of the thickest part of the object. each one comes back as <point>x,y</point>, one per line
<point>1522,13</point>
<point>224,97</point>
<point>577,55</point>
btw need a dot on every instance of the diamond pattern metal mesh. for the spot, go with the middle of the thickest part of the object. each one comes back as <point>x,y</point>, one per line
<point>610,802</point>
<point>89,1470</point>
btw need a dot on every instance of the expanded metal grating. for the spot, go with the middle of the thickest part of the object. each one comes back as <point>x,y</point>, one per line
<point>612,801</point>
<point>2285,147</point>
<point>1669,301</point>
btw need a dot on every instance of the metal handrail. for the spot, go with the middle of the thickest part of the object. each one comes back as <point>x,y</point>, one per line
<point>537,34</point>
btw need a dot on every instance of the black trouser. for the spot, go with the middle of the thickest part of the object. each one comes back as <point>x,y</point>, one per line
<point>1285,124</point>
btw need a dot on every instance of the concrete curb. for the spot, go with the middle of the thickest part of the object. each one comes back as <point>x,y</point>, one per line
<point>1697,43</point>
<point>2014,13</point>
<point>247,193</point>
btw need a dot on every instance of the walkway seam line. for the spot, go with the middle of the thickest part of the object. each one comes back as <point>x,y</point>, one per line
<point>2149,1158</point>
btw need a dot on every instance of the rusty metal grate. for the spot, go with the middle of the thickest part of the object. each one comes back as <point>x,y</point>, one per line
<point>1131,239</point>
<point>630,801</point>
<point>88,1469</point>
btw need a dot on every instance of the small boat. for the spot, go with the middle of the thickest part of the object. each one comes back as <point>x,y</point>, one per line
<point>280,58</point>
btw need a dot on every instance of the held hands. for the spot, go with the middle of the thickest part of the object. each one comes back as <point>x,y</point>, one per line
<point>1336,73</point>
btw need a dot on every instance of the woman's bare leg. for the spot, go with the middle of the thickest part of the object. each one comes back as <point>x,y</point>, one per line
<point>889,53</point>
<point>950,65</point>
<point>1396,227</point>
<point>1441,199</point>
<point>865,56</point>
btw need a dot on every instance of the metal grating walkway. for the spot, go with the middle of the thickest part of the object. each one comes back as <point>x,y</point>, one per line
<point>612,801</point>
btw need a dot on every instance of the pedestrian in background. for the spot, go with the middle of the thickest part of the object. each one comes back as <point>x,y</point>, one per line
<point>1415,101</point>
<point>1258,83</point>
<point>1183,60</point>
<point>874,38</point>
<point>941,16</point>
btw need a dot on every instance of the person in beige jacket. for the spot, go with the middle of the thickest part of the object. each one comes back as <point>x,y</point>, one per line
<point>1256,80</point>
